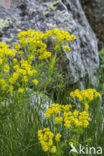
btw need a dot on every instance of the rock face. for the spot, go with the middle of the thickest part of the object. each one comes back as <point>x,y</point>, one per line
<point>39,103</point>
<point>5,3</point>
<point>42,15</point>
<point>94,10</point>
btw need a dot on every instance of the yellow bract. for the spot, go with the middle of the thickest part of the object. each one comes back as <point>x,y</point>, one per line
<point>11,89</point>
<point>85,96</point>
<point>6,68</point>
<point>58,136</point>
<point>35,81</point>
<point>20,90</point>
<point>67,118</point>
<point>67,48</point>
<point>70,118</point>
<point>15,70</point>
<point>16,65</point>
<point>46,140</point>
<point>53,149</point>
<point>71,143</point>
<point>58,120</point>
<point>33,41</point>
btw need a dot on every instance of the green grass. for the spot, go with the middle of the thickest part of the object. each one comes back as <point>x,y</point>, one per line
<point>19,126</point>
<point>19,121</point>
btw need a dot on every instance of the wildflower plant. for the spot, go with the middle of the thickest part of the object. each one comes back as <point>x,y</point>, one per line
<point>35,47</point>
<point>28,64</point>
<point>17,71</point>
<point>67,123</point>
<point>84,97</point>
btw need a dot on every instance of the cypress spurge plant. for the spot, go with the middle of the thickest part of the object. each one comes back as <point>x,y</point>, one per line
<point>29,65</point>
<point>34,43</point>
<point>65,123</point>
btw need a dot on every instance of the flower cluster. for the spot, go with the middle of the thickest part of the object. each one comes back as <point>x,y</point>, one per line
<point>16,71</point>
<point>77,119</point>
<point>63,116</point>
<point>60,37</point>
<point>71,119</point>
<point>85,96</point>
<point>34,41</point>
<point>46,138</point>
<point>53,109</point>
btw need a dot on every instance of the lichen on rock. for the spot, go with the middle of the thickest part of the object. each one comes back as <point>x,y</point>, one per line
<point>4,23</point>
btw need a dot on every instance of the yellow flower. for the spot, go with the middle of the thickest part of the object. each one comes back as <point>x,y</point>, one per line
<point>35,81</point>
<point>53,149</point>
<point>15,76</point>
<point>20,90</point>
<point>75,113</point>
<point>58,136</point>
<point>85,95</point>
<point>46,138</point>
<point>50,143</point>
<point>11,80</point>
<point>67,48</point>
<point>77,123</point>
<point>45,148</point>
<point>3,45</point>
<point>2,81</point>
<point>71,143</point>
<point>30,73</point>
<point>67,124</point>
<point>17,46</point>
<point>58,120</point>
<point>31,57</point>
<point>85,123</point>
<point>25,79</point>
<point>34,71</point>
<point>47,115</point>
<point>66,107</point>
<point>11,89</point>
<point>6,68</point>
<point>44,55</point>
<point>20,53</point>
<point>4,87</point>
<point>86,106</point>
<point>16,67</point>
<point>15,60</point>
<point>97,94</point>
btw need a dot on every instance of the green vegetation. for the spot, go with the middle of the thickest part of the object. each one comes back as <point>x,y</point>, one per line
<point>27,126</point>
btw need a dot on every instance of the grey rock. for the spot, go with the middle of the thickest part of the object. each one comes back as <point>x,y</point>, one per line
<point>94,10</point>
<point>83,60</point>
<point>39,103</point>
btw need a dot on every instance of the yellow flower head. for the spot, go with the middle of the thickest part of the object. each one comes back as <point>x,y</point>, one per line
<point>71,143</point>
<point>67,48</point>
<point>17,46</point>
<point>15,60</point>
<point>6,68</point>
<point>35,81</point>
<point>58,120</point>
<point>20,90</point>
<point>58,136</point>
<point>53,149</point>
<point>10,88</point>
